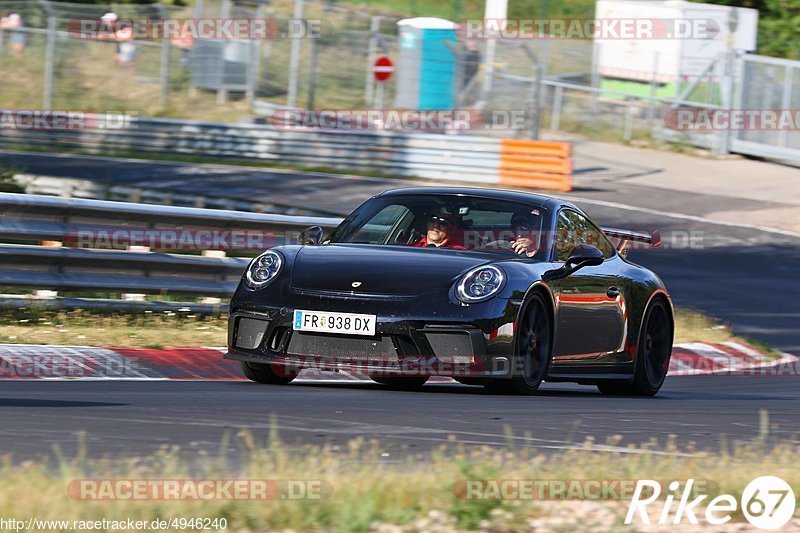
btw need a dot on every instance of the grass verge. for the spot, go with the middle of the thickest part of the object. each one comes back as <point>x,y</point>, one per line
<point>370,492</point>
<point>158,330</point>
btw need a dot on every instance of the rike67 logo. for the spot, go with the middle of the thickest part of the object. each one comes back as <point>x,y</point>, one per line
<point>767,502</point>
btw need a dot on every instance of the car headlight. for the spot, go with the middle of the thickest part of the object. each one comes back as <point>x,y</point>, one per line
<point>480,284</point>
<point>263,269</point>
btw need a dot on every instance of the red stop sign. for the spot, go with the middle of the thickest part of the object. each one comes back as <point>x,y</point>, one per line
<point>383,68</point>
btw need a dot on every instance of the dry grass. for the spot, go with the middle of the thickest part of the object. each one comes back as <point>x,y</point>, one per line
<point>693,326</point>
<point>157,330</point>
<point>369,491</point>
<point>147,330</point>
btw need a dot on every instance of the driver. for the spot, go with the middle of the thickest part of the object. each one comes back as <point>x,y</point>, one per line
<point>440,231</point>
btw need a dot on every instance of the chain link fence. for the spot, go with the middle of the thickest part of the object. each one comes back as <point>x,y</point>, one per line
<point>554,84</point>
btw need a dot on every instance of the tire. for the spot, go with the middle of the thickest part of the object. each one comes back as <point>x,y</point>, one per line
<point>401,383</point>
<point>267,374</point>
<point>652,356</point>
<point>534,350</point>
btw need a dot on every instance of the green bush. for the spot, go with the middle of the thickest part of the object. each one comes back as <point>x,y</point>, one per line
<point>7,183</point>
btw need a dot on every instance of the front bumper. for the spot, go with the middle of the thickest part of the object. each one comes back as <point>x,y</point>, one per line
<point>479,343</point>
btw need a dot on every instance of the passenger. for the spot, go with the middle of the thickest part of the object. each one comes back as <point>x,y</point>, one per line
<point>526,233</point>
<point>522,237</point>
<point>440,231</point>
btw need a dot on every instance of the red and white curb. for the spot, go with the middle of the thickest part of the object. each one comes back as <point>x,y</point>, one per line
<point>27,361</point>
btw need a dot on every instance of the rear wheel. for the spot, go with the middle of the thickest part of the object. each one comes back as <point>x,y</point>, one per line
<point>534,346</point>
<point>400,382</point>
<point>268,374</point>
<point>652,356</point>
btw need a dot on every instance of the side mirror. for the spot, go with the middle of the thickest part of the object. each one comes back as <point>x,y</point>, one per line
<point>310,236</point>
<point>582,255</point>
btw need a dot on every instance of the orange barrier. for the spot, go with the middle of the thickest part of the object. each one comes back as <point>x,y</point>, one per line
<point>539,164</point>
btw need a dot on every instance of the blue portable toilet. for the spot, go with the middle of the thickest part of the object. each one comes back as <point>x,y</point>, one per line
<point>426,69</point>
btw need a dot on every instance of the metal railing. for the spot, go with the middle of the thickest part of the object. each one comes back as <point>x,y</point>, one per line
<point>79,188</point>
<point>76,241</point>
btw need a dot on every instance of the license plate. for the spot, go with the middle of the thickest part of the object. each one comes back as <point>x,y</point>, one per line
<point>342,323</point>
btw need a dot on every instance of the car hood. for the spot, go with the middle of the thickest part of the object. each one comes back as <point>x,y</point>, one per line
<point>379,269</point>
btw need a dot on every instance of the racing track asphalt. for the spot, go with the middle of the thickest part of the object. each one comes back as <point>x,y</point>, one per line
<point>122,418</point>
<point>745,276</point>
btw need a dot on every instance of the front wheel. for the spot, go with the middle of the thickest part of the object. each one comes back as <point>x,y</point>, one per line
<point>534,348</point>
<point>652,356</point>
<point>268,374</point>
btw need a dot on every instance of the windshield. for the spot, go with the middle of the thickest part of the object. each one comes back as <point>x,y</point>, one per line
<point>446,222</point>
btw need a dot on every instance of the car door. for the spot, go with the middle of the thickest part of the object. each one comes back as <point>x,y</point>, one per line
<point>590,308</point>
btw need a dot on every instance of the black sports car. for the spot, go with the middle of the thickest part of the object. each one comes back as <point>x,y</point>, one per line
<point>495,288</point>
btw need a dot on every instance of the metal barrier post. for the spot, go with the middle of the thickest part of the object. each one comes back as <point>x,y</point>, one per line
<point>723,146</point>
<point>730,64</point>
<point>254,65</point>
<point>651,109</point>
<point>369,81</point>
<point>49,62</point>
<point>312,67</point>
<point>627,133</point>
<point>222,92</point>
<point>595,76</point>
<point>786,102</point>
<point>164,96</point>
<point>536,91</point>
<point>294,59</point>
<point>558,102</point>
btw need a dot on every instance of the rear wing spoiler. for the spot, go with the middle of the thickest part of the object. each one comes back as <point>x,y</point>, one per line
<point>625,236</point>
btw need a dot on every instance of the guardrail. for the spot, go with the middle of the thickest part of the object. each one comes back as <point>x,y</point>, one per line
<point>79,188</point>
<point>99,228</point>
<point>425,155</point>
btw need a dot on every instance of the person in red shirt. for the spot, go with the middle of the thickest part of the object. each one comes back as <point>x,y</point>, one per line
<point>440,233</point>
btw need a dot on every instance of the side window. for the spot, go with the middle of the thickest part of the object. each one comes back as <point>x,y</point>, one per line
<point>597,238</point>
<point>565,236</point>
<point>574,229</point>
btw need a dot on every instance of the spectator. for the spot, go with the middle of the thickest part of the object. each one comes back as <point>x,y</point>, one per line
<point>126,48</point>
<point>108,27</point>
<point>471,61</point>
<point>13,24</point>
<point>184,41</point>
